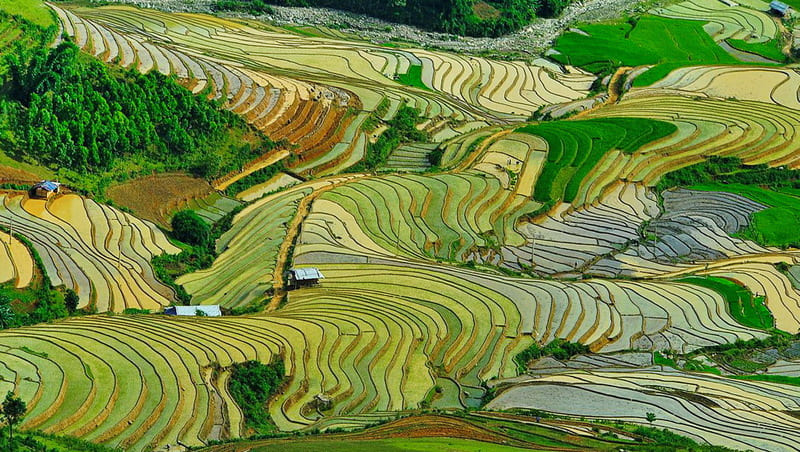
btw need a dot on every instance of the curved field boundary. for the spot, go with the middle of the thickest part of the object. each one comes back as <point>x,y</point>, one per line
<point>723,21</point>
<point>101,253</point>
<point>770,85</point>
<point>712,410</point>
<point>16,263</point>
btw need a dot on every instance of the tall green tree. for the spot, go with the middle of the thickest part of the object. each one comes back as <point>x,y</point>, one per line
<point>6,313</point>
<point>14,410</point>
<point>71,300</point>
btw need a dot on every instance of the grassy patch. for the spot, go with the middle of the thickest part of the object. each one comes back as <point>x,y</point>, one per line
<point>32,10</point>
<point>635,42</point>
<point>782,379</point>
<point>747,309</point>
<point>483,11</point>
<point>770,49</point>
<point>575,147</point>
<point>413,77</point>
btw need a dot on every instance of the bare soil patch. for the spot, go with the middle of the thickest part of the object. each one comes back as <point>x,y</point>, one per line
<point>154,197</point>
<point>485,11</point>
<point>9,175</point>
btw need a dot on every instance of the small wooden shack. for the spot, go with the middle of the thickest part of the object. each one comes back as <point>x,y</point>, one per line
<point>45,189</point>
<point>304,277</point>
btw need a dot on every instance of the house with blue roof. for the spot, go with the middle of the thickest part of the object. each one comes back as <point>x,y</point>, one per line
<point>45,189</point>
<point>779,8</point>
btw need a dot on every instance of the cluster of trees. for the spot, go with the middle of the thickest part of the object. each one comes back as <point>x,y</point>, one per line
<point>251,385</point>
<point>35,305</point>
<point>198,252</point>
<point>730,170</point>
<point>560,349</point>
<point>402,129</point>
<point>65,109</point>
<point>254,7</point>
<point>449,16</point>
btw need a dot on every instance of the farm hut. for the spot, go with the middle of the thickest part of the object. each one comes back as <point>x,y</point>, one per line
<point>45,189</point>
<point>304,277</point>
<point>779,8</point>
<point>205,311</point>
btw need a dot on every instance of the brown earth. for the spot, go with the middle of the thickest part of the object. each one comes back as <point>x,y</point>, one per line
<point>9,175</point>
<point>154,197</point>
<point>424,426</point>
<point>485,11</point>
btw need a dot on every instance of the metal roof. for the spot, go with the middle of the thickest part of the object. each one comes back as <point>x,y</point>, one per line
<point>779,6</point>
<point>209,310</point>
<point>47,185</point>
<point>303,274</point>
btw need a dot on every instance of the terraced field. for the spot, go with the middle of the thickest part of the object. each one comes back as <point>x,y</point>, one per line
<point>372,339</point>
<point>445,266</point>
<point>101,253</point>
<point>259,71</point>
<point>734,413</point>
<point>749,20</point>
<point>16,263</point>
<point>243,272</point>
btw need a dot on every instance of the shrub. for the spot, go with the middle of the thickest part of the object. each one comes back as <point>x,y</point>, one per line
<point>189,228</point>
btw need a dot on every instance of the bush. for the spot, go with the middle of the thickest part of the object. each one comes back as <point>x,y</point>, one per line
<point>560,349</point>
<point>252,384</point>
<point>189,228</point>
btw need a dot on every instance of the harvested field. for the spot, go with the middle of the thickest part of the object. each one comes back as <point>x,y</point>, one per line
<point>156,197</point>
<point>9,175</point>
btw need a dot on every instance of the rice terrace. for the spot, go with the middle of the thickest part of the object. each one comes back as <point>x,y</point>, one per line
<point>300,225</point>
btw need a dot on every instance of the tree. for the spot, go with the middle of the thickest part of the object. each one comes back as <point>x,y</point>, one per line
<point>6,313</point>
<point>71,300</point>
<point>14,409</point>
<point>189,228</point>
<point>651,417</point>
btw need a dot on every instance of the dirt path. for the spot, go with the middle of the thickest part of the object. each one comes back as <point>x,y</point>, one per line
<point>292,232</point>
<point>262,162</point>
<point>614,91</point>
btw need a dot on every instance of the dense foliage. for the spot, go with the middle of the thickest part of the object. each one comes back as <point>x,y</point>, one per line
<point>41,442</point>
<point>189,228</point>
<point>463,17</point>
<point>402,129</point>
<point>560,349</point>
<point>254,7</point>
<point>731,170</point>
<point>70,111</point>
<point>251,385</point>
